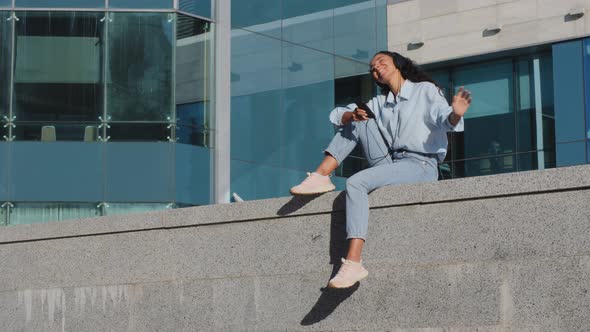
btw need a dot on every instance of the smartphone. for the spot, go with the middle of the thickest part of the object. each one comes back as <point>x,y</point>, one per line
<point>364,107</point>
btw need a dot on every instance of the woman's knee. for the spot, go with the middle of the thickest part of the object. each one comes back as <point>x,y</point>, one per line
<point>355,183</point>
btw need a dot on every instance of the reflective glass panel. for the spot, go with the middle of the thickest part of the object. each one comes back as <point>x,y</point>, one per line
<point>126,208</point>
<point>61,3</point>
<point>587,83</point>
<point>5,3</point>
<point>148,4</point>
<point>34,213</point>
<point>138,132</point>
<point>255,63</point>
<point>305,118</point>
<point>302,65</point>
<point>568,70</point>
<point>535,121</point>
<point>58,76</point>
<point>139,66</point>
<point>569,154</point>
<point>198,7</point>
<point>50,131</point>
<point>193,80</point>
<point>485,166</point>
<point>262,16</point>
<point>5,60</point>
<point>355,31</point>
<point>490,119</point>
<point>309,23</point>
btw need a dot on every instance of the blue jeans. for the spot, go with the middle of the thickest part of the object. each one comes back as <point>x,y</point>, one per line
<point>384,170</point>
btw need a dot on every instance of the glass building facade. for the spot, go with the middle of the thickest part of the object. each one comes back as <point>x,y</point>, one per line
<point>108,106</point>
<point>105,107</point>
<point>287,59</point>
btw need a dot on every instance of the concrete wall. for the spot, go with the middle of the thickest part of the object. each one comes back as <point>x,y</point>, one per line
<point>496,253</point>
<point>454,29</point>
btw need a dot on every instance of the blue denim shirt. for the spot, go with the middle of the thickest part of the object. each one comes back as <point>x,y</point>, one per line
<point>417,120</point>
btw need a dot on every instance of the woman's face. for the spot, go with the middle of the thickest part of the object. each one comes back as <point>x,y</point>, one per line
<point>383,69</point>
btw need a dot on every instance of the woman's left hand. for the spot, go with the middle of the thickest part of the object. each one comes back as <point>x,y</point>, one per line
<point>461,102</point>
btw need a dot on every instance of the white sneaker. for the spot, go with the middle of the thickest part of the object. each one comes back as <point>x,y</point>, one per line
<point>314,184</point>
<point>349,274</point>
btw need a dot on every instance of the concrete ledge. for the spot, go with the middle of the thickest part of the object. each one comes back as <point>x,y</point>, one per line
<point>568,178</point>
<point>498,253</point>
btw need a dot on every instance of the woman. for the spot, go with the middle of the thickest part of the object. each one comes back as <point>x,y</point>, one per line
<point>403,144</point>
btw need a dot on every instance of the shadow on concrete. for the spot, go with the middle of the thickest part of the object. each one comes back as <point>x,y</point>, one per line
<point>327,303</point>
<point>331,298</point>
<point>296,203</point>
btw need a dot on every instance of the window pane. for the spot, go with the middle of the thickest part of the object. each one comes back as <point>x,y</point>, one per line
<point>48,131</point>
<point>587,84</point>
<point>255,63</point>
<point>193,80</point>
<point>309,23</point>
<point>58,67</point>
<point>61,3</point>
<point>535,120</point>
<point>262,16</point>
<point>197,7</point>
<point>569,93</point>
<point>140,4</point>
<point>5,3</point>
<point>484,166</point>
<point>126,208</point>
<point>489,123</point>
<point>5,54</point>
<point>569,154</point>
<point>355,32</point>
<point>32,213</point>
<point>139,66</point>
<point>139,132</point>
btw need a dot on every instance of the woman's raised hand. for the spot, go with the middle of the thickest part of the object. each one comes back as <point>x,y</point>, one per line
<point>356,115</point>
<point>461,102</point>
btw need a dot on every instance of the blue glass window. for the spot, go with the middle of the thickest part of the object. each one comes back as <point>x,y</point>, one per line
<point>262,16</point>
<point>569,154</point>
<point>354,31</point>
<point>490,120</point>
<point>197,7</point>
<point>61,3</point>
<point>148,4</point>
<point>569,93</point>
<point>5,55</point>
<point>5,3</point>
<point>587,83</point>
<point>309,23</point>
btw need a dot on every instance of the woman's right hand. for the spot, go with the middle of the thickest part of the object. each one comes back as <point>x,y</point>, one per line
<point>356,115</point>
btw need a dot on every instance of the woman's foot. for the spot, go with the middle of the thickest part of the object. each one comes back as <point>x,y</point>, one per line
<point>349,274</point>
<point>314,184</point>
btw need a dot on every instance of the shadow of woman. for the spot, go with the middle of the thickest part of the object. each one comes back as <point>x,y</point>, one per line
<point>331,298</point>
<point>296,203</point>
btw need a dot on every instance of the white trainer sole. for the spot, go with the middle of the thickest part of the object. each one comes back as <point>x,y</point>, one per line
<point>320,190</point>
<point>364,274</point>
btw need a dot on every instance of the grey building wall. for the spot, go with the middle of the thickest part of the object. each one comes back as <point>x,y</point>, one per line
<point>453,29</point>
<point>506,252</point>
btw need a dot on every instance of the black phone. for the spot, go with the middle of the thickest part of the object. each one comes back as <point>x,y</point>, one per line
<point>364,107</point>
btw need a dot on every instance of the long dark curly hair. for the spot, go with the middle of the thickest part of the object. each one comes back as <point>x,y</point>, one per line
<point>408,69</point>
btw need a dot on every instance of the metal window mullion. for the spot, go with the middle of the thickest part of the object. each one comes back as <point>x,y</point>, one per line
<point>11,79</point>
<point>538,113</point>
<point>173,80</point>
<point>104,72</point>
<point>221,150</point>
<point>516,107</point>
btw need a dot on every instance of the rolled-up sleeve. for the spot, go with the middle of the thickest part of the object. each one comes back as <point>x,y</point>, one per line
<point>338,112</point>
<point>441,110</point>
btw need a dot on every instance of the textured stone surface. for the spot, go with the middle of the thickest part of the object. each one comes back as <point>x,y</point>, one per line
<point>453,29</point>
<point>498,253</point>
